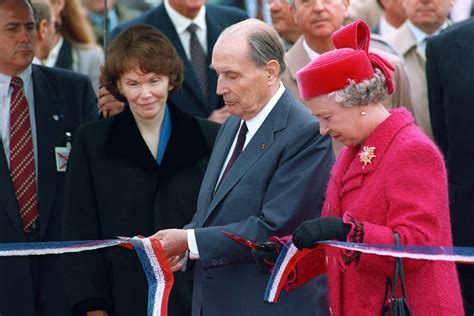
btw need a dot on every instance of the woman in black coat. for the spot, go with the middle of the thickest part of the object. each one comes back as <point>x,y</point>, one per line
<point>133,174</point>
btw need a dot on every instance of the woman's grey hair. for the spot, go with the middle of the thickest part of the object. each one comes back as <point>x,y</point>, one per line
<point>266,45</point>
<point>368,91</point>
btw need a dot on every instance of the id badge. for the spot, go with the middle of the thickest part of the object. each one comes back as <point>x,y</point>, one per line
<point>62,156</point>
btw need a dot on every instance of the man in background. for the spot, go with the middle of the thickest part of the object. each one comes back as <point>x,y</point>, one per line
<point>45,30</point>
<point>41,109</point>
<point>116,13</point>
<point>450,77</point>
<point>425,18</point>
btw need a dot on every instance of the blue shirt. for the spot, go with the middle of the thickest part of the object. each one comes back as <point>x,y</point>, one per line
<point>165,134</point>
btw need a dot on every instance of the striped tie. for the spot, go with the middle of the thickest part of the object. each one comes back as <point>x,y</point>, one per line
<point>22,162</point>
<point>198,59</point>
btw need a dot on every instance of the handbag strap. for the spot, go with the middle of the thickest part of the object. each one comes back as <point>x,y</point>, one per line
<point>398,273</point>
<point>398,269</point>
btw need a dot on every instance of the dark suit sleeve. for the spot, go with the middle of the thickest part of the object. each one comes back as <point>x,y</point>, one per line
<point>90,104</point>
<point>435,98</point>
<point>294,194</point>
<point>84,273</point>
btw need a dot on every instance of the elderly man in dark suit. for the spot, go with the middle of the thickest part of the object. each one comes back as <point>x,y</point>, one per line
<point>450,78</point>
<point>267,173</point>
<point>39,106</point>
<point>176,19</point>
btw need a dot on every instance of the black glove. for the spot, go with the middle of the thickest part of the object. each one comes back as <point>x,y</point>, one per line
<point>266,254</point>
<point>321,228</point>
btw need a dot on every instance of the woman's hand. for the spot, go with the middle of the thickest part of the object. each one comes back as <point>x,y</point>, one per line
<point>321,228</point>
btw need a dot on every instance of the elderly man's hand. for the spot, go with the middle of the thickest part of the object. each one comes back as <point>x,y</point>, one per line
<point>108,105</point>
<point>219,115</point>
<point>173,241</point>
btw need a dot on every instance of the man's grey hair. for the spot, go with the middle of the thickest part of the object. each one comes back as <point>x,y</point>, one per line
<point>264,42</point>
<point>266,45</point>
<point>41,10</point>
<point>367,91</point>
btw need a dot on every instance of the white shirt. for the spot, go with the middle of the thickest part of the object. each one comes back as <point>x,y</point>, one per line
<point>386,28</point>
<point>253,125</point>
<point>54,53</point>
<point>181,24</point>
<point>5,98</point>
<point>311,53</point>
<point>420,36</point>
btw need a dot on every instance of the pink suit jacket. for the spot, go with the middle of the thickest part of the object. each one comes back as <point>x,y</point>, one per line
<point>403,189</point>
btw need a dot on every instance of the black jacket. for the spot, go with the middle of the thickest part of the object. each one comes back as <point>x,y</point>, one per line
<point>116,188</point>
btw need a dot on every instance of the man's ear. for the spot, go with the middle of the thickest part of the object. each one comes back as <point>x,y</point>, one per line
<point>42,29</point>
<point>273,71</point>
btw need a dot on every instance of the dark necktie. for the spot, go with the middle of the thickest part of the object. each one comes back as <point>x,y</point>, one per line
<point>22,162</point>
<point>239,145</point>
<point>198,59</point>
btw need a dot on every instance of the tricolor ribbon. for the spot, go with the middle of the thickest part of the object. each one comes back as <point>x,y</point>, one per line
<point>290,256</point>
<point>152,257</point>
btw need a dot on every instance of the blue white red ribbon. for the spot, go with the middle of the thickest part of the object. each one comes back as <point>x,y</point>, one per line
<point>290,256</point>
<point>158,273</point>
<point>152,257</point>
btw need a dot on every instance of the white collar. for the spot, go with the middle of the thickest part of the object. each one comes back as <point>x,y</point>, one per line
<point>181,22</point>
<point>255,122</point>
<point>25,77</point>
<point>54,53</point>
<point>386,28</point>
<point>311,53</point>
<point>420,36</point>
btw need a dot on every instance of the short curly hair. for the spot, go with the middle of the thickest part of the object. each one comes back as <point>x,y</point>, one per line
<point>372,90</point>
<point>145,47</point>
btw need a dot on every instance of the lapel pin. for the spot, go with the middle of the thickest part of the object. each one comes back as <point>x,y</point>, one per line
<point>262,146</point>
<point>366,155</point>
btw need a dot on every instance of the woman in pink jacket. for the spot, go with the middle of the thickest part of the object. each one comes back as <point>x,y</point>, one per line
<point>388,178</point>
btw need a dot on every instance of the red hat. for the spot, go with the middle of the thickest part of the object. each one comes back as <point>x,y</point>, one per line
<point>349,61</point>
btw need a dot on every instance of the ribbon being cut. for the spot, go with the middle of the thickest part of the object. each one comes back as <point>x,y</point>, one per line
<point>152,257</point>
<point>290,257</point>
<point>160,278</point>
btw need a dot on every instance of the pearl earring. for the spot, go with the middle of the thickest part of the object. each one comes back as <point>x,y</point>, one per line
<point>362,113</point>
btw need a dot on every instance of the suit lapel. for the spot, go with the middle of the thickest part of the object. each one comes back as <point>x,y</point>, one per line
<point>403,40</point>
<point>296,58</point>
<point>255,149</point>
<point>49,133</point>
<point>7,195</point>
<point>65,56</point>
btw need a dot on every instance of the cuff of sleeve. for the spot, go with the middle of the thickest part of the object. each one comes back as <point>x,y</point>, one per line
<point>355,235</point>
<point>192,245</point>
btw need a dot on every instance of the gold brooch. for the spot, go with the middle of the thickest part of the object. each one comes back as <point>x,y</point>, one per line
<point>366,155</point>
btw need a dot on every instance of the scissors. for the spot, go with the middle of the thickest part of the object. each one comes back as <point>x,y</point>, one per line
<point>243,241</point>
